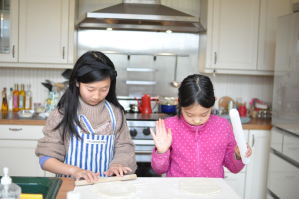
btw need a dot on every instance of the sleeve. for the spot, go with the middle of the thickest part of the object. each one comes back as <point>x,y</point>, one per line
<point>51,144</point>
<point>230,162</point>
<point>124,148</point>
<point>160,162</point>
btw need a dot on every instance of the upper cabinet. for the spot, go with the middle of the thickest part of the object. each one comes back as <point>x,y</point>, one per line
<point>9,25</point>
<point>241,36</point>
<point>45,34</point>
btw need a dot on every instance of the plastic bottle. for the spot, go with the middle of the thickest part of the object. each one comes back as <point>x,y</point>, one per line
<point>10,100</point>
<point>21,98</point>
<point>16,98</point>
<point>4,100</point>
<point>28,96</point>
<point>7,188</point>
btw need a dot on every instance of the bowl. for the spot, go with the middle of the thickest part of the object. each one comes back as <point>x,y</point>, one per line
<point>26,113</point>
<point>167,100</point>
<point>168,108</point>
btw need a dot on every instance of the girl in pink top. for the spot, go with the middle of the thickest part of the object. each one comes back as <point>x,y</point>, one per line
<point>196,143</point>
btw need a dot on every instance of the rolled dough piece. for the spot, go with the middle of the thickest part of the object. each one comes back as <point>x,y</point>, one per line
<point>199,186</point>
<point>116,189</point>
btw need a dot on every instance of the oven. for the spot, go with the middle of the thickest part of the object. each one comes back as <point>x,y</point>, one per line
<point>139,126</point>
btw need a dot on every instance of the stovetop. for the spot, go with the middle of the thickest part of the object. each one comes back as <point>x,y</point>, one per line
<point>145,117</point>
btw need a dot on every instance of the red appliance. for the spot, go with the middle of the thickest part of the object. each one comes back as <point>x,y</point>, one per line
<point>146,104</point>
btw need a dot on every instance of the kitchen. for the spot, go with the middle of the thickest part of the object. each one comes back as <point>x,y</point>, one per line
<point>36,59</point>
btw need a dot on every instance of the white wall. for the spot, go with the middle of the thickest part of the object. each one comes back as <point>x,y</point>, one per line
<point>234,86</point>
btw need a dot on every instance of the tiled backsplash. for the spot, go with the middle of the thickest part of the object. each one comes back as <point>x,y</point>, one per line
<point>234,86</point>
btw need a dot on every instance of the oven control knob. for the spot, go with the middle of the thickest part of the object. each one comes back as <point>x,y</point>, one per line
<point>146,131</point>
<point>133,132</point>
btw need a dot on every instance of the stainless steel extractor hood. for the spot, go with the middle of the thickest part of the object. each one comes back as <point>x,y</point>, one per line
<point>144,15</point>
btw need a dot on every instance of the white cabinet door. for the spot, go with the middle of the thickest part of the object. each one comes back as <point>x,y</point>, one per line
<point>236,182</point>
<point>270,11</point>
<point>19,157</point>
<point>11,25</point>
<point>235,34</point>
<point>257,169</point>
<point>43,31</point>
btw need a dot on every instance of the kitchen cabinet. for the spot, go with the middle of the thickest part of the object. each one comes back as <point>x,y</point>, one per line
<point>9,32</point>
<point>45,34</point>
<point>237,181</point>
<point>257,169</point>
<point>241,36</point>
<point>17,149</point>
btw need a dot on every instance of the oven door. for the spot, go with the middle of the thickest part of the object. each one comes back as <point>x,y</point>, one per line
<point>143,152</point>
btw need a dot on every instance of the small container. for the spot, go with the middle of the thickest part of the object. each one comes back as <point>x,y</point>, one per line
<point>230,105</point>
<point>36,105</point>
<point>26,113</point>
<point>7,188</point>
<point>242,111</point>
<point>214,111</point>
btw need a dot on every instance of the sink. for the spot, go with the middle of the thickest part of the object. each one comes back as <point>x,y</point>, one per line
<point>47,186</point>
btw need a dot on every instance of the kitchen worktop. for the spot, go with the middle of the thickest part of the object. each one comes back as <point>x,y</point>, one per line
<point>13,118</point>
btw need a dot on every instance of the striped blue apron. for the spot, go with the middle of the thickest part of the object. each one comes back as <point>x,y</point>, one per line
<point>92,152</point>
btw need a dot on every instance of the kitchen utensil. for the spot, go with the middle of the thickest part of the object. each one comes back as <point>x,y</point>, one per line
<point>26,113</point>
<point>168,104</point>
<point>47,85</point>
<point>134,108</point>
<point>223,101</point>
<point>174,83</point>
<point>67,73</point>
<point>239,134</point>
<point>146,104</point>
<point>107,179</point>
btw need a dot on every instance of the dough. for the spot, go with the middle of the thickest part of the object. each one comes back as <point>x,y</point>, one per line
<point>116,189</point>
<point>199,186</point>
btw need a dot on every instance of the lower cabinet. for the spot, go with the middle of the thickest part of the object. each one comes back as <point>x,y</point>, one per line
<point>236,182</point>
<point>17,150</point>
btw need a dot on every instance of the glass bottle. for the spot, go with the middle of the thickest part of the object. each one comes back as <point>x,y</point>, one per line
<point>10,100</point>
<point>4,100</point>
<point>21,98</point>
<point>28,96</point>
<point>16,98</point>
<point>9,190</point>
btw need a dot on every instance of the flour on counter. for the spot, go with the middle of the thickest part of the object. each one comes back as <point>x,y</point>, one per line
<point>114,189</point>
<point>199,186</point>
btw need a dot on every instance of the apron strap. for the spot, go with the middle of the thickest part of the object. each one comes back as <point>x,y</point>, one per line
<point>108,106</point>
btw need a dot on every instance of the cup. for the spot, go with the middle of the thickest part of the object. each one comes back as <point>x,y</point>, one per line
<point>242,111</point>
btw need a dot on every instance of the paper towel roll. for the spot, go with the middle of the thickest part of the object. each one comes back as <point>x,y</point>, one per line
<point>239,134</point>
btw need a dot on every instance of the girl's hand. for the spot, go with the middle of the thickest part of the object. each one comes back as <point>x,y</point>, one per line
<point>247,153</point>
<point>88,175</point>
<point>162,138</point>
<point>118,170</point>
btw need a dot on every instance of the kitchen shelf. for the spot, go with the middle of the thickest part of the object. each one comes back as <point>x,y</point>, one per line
<point>133,82</point>
<point>141,70</point>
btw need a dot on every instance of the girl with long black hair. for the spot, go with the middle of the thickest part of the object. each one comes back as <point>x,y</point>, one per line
<point>86,135</point>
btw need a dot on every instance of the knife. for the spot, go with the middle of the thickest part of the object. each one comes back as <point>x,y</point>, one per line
<point>107,179</point>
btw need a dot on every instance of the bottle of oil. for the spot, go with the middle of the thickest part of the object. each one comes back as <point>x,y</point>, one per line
<point>4,100</point>
<point>21,98</point>
<point>16,98</point>
<point>28,101</point>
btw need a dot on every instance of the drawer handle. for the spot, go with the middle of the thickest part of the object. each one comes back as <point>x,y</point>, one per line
<point>253,140</point>
<point>20,129</point>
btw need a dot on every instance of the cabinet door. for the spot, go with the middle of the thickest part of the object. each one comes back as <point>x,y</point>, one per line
<point>43,31</point>
<point>236,182</point>
<point>256,171</point>
<point>19,157</point>
<point>9,25</point>
<point>270,11</point>
<point>235,34</point>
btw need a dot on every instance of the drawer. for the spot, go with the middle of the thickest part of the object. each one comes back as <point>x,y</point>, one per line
<point>21,132</point>
<point>276,139</point>
<point>291,147</point>
<point>283,178</point>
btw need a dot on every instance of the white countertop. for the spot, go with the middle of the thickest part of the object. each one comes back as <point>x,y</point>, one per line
<point>162,187</point>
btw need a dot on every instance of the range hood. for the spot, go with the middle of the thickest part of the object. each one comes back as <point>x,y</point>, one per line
<point>142,15</point>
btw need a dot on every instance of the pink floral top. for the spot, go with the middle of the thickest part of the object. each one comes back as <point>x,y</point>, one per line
<point>198,151</point>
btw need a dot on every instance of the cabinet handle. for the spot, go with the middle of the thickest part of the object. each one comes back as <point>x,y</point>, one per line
<point>252,141</point>
<point>13,51</point>
<point>11,129</point>
<point>63,53</point>
<point>215,58</point>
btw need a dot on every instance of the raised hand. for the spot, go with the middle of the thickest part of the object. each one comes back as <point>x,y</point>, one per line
<point>162,138</point>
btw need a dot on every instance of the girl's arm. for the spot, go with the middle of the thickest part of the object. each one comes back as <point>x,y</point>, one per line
<point>160,162</point>
<point>55,166</point>
<point>230,161</point>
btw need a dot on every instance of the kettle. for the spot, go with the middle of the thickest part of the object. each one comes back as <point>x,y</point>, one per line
<point>146,104</point>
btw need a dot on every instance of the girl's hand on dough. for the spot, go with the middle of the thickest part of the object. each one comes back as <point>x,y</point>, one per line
<point>118,170</point>
<point>88,175</point>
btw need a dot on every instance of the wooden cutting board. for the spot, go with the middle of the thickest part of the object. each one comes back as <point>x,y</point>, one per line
<point>223,101</point>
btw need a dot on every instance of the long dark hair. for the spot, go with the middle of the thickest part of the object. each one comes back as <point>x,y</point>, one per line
<point>68,103</point>
<point>196,89</point>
